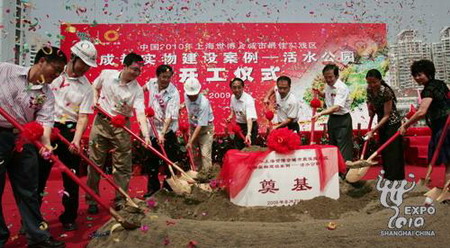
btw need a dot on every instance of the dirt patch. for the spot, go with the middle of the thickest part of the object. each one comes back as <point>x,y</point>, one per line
<point>210,220</point>
<point>201,205</point>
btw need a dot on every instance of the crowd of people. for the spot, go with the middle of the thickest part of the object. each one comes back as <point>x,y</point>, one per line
<point>56,93</point>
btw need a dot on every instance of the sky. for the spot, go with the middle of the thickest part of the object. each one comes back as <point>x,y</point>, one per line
<point>426,16</point>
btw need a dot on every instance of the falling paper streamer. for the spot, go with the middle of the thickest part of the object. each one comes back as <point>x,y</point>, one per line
<point>114,227</point>
<point>62,192</point>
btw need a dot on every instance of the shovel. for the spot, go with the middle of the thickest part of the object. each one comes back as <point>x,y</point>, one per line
<point>125,224</point>
<point>354,175</point>
<point>193,171</point>
<point>359,168</point>
<point>438,194</point>
<point>178,186</point>
<point>426,181</point>
<point>313,122</point>
<point>156,152</point>
<point>91,163</point>
<point>445,195</point>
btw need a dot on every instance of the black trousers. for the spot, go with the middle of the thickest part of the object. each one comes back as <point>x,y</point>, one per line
<point>393,160</point>
<point>437,127</point>
<point>22,168</point>
<point>294,127</point>
<point>239,143</point>
<point>155,164</point>
<point>340,132</point>
<point>70,201</point>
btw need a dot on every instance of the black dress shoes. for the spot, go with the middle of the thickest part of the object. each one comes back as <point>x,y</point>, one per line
<point>48,243</point>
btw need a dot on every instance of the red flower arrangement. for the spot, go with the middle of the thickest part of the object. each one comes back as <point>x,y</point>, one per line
<point>149,112</point>
<point>33,131</point>
<point>283,140</point>
<point>269,115</point>
<point>236,129</point>
<point>315,103</point>
<point>184,127</point>
<point>118,121</point>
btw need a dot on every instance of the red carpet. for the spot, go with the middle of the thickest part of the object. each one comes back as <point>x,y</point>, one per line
<point>89,223</point>
<point>52,208</point>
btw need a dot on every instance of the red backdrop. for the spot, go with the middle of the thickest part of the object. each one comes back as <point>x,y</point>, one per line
<point>215,53</point>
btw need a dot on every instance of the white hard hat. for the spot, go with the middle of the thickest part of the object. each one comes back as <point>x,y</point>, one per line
<point>192,86</point>
<point>86,51</point>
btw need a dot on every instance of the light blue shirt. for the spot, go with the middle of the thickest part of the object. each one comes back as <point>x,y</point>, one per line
<point>200,111</point>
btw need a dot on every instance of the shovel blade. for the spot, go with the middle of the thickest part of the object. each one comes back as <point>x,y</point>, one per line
<point>354,175</point>
<point>205,187</point>
<point>178,186</point>
<point>423,182</point>
<point>193,174</point>
<point>433,193</point>
<point>129,225</point>
<point>445,195</point>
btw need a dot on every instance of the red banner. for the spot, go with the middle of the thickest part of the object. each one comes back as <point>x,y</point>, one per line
<point>255,52</point>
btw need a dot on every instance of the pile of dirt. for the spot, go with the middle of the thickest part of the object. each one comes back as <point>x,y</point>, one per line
<point>205,219</point>
<point>202,205</point>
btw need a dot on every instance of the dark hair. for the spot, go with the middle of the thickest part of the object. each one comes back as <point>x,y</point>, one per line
<point>377,74</point>
<point>50,54</point>
<point>284,78</point>
<point>132,58</point>
<point>163,68</point>
<point>333,67</point>
<point>237,79</point>
<point>423,66</point>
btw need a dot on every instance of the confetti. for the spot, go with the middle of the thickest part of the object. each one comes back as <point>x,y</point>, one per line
<point>144,228</point>
<point>166,241</point>
<point>62,192</point>
<point>71,29</point>
<point>192,244</point>
<point>114,227</point>
<point>331,226</point>
<point>151,203</point>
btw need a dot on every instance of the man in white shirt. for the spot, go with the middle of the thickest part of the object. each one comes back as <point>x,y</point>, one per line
<point>120,93</point>
<point>201,126</point>
<point>337,100</point>
<point>287,104</point>
<point>164,99</point>
<point>73,103</point>
<point>242,106</point>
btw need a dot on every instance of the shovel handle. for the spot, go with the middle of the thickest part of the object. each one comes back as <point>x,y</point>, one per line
<point>189,151</point>
<point>383,146</point>
<point>155,132</point>
<point>366,142</point>
<point>93,165</point>
<point>57,162</point>
<point>156,152</point>
<point>313,125</point>
<point>441,141</point>
<point>438,149</point>
<point>388,142</point>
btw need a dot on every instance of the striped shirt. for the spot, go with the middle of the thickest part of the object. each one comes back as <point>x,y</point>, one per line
<point>165,103</point>
<point>21,99</point>
<point>117,97</point>
<point>243,108</point>
<point>200,111</point>
<point>73,96</point>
